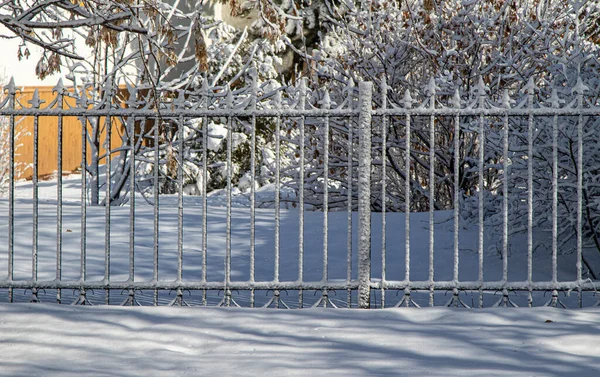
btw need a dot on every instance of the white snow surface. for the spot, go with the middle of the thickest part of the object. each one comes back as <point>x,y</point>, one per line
<point>53,340</point>
<point>60,340</point>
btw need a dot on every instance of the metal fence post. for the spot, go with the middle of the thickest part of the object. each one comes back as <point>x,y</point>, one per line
<point>365,90</point>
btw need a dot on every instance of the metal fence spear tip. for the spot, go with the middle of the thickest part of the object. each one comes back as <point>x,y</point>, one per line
<point>481,88</point>
<point>180,101</point>
<point>10,87</point>
<point>506,100</point>
<point>555,100</point>
<point>407,101</point>
<point>302,99</point>
<point>59,87</point>
<point>530,88</point>
<point>456,99</point>
<point>431,88</point>
<point>35,101</point>
<point>580,87</point>
<point>326,101</point>
<point>229,98</point>
<point>277,100</point>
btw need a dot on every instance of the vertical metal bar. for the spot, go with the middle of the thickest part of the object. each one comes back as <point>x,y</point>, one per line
<point>364,195</point>
<point>555,105</point>
<point>180,200</point>
<point>481,192</point>
<point>132,199</point>
<point>384,126</point>
<point>579,189</point>
<point>326,106</point>
<point>156,206</point>
<point>349,229</point>
<point>277,184</point>
<point>431,190</point>
<point>204,104</point>
<point>252,187</point>
<point>456,183</point>
<point>11,188</point>
<point>530,94</point>
<point>505,193</point>
<point>59,192</point>
<point>83,267</point>
<point>107,204</point>
<point>34,257</point>
<point>204,201</point>
<point>229,188</point>
<point>301,106</point>
<point>408,104</point>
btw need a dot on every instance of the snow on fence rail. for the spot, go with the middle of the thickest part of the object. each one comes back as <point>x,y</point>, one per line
<point>508,168</point>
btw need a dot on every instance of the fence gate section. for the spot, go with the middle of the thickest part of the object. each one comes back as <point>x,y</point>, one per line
<point>291,198</point>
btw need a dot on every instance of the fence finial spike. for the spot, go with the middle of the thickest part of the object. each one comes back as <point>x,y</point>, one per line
<point>229,98</point>
<point>407,101</point>
<point>481,89</point>
<point>530,88</point>
<point>431,87</point>
<point>180,101</point>
<point>277,100</point>
<point>35,101</point>
<point>302,99</point>
<point>506,100</point>
<point>132,99</point>
<point>59,87</point>
<point>555,99</point>
<point>384,91</point>
<point>456,99</point>
<point>580,87</point>
<point>10,87</point>
<point>326,101</point>
<point>204,93</point>
<point>204,88</point>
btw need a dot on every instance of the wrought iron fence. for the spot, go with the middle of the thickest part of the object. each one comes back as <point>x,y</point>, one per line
<point>370,168</point>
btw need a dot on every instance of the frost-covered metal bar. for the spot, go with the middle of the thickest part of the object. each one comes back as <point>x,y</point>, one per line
<point>253,186</point>
<point>384,130</point>
<point>506,167</point>
<point>271,113</point>
<point>131,131</point>
<point>481,89</point>
<point>530,90</point>
<point>180,136</point>
<point>228,210</point>
<point>349,210</point>
<point>407,102</point>
<point>35,103</point>
<point>83,266</point>
<point>290,112</point>
<point>555,100</point>
<point>107,204</point>
<point>327,106</point>
<point>156,207</point>
<point>204,104</point>
<point>301,106</point>
<point>585,285</point>
<point>580,88</point>
<point>59,189</point>
<point>365,90</point>
<point>431,89</point>
<point>456,103</point>
<point>12,92</point>
<point>277,103</point>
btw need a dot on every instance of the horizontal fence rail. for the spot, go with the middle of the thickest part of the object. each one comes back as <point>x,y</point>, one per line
<point>294,198</point>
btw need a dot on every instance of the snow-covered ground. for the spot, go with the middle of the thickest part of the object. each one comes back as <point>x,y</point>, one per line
<point>52,340</point>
